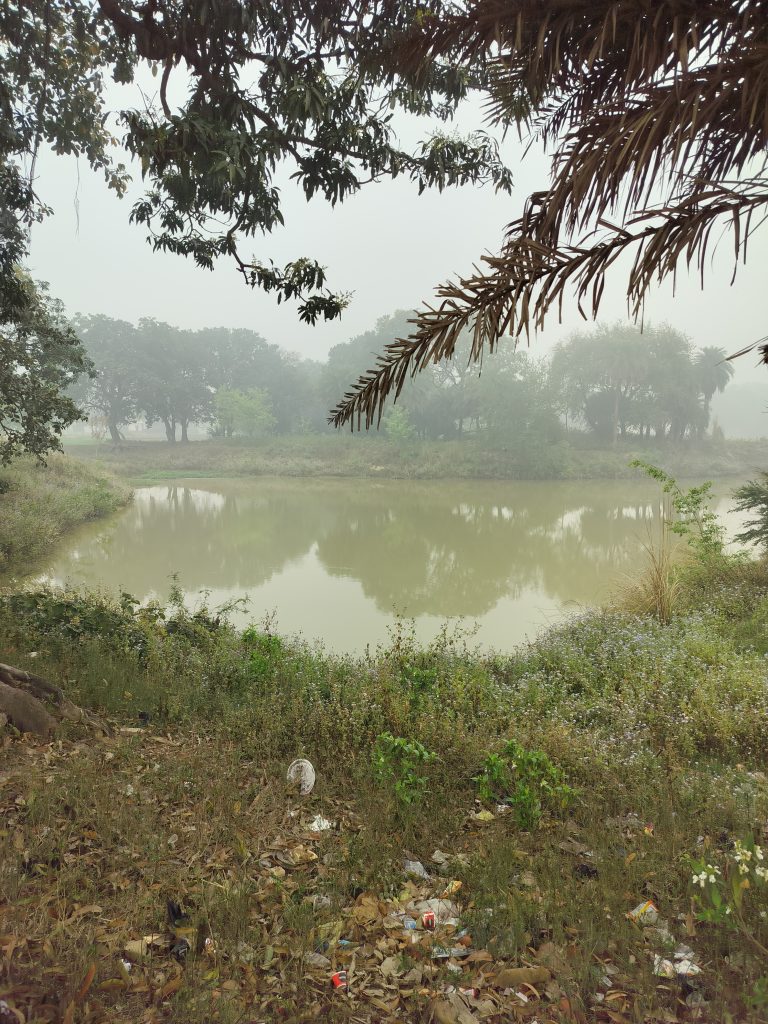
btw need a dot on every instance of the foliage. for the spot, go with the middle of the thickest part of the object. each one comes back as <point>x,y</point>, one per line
<point>398,427</point>
<point>400,763</point>
<point>753,497</point>
<point>604,381</point>
<point>243,413</point>
<point>527,780</point>
<point>695,520</point>
<point>270,90</point>
<point>40,357</point>
<point>660,168</point>
<point>736,894</point>
<point>622,383</point>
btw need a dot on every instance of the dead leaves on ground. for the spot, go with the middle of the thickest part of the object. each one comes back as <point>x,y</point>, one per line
<point>260,922</point>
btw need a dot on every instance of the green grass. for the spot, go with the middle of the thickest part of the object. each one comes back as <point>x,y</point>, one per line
<point>647,722</point>
<point>39,503</point>
<point>374,456</point>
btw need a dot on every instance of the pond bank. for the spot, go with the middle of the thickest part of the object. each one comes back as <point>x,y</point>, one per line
<point>374,457</point>
<point>39,504</point>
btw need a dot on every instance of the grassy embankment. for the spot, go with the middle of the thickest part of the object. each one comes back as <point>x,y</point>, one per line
<point>39,503</point>
<point>355,456</point>
<point>656,736</point>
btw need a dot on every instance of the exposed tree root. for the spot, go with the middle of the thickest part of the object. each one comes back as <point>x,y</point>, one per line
<point>33,704</point>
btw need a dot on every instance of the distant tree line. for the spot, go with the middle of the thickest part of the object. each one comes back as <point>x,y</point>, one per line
<point>611,383</point>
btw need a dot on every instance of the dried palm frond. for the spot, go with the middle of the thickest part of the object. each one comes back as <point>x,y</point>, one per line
<point>659,115</point>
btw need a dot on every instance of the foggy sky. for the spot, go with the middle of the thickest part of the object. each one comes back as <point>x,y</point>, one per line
<point>387,245</point>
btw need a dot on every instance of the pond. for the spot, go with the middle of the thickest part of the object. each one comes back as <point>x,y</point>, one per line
<point>338,560</point>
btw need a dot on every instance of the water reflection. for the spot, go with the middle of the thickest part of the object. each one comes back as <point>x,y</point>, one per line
<point>337,558</point>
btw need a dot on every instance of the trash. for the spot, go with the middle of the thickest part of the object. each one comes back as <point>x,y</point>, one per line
<point>302,774</point>
<point>648,830</point>
<point>586,871</point>
<point>296,857</point>
<point>428,920</point>
<point>339,980</point>
<point>316,960</point>
<point>320,824</point>
<point>483,816</point>
<point>415,868</point>
<point>321,902</point>
<point>511,977</point>
<point>682,966</point>
<point>644,913</point>
<point>177,917</point>
<point>179,950</point>
<point>452,889</point>
<point>686,968</point>
<point>138,948</point>
<point>444,953</point>
<point>443,910</point>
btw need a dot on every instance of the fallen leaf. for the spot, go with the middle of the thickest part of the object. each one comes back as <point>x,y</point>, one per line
<point>511,977</point>
<point>87,982</point>
<point>451,1011</point>
<point>139,948</point>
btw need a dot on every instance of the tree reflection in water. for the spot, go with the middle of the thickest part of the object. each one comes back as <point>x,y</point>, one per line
<point>438,549</point>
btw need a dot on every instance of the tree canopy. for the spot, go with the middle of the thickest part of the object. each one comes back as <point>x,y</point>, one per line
<point>609,384</point>
<point>298,85</point>
<point>656,117</point>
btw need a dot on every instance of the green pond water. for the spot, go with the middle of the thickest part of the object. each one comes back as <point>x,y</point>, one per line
<point>337,560</point>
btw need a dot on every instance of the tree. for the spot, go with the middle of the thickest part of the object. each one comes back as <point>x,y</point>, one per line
<point>714,373</point>
<point>247,413</point>
<point>171,373</point>
<point>40,358</point>
<point>753,497</point>
<point>656,116</point>
<point>620,383</point>
<point>112,392</point>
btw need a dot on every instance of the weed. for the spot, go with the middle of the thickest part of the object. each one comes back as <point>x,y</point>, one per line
<point>526,780</point>
<point>400,763</point>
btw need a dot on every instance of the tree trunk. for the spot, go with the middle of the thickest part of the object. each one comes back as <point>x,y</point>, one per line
<point>23,700</point>
<point>615,418</point>
<point>184,436</point>
<point>114,432</point>
<point>170,430</point>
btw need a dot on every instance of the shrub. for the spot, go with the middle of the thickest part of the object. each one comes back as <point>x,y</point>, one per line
<point>527,780</point>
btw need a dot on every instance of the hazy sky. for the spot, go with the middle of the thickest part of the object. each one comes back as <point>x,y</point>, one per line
<point>387,245</point>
